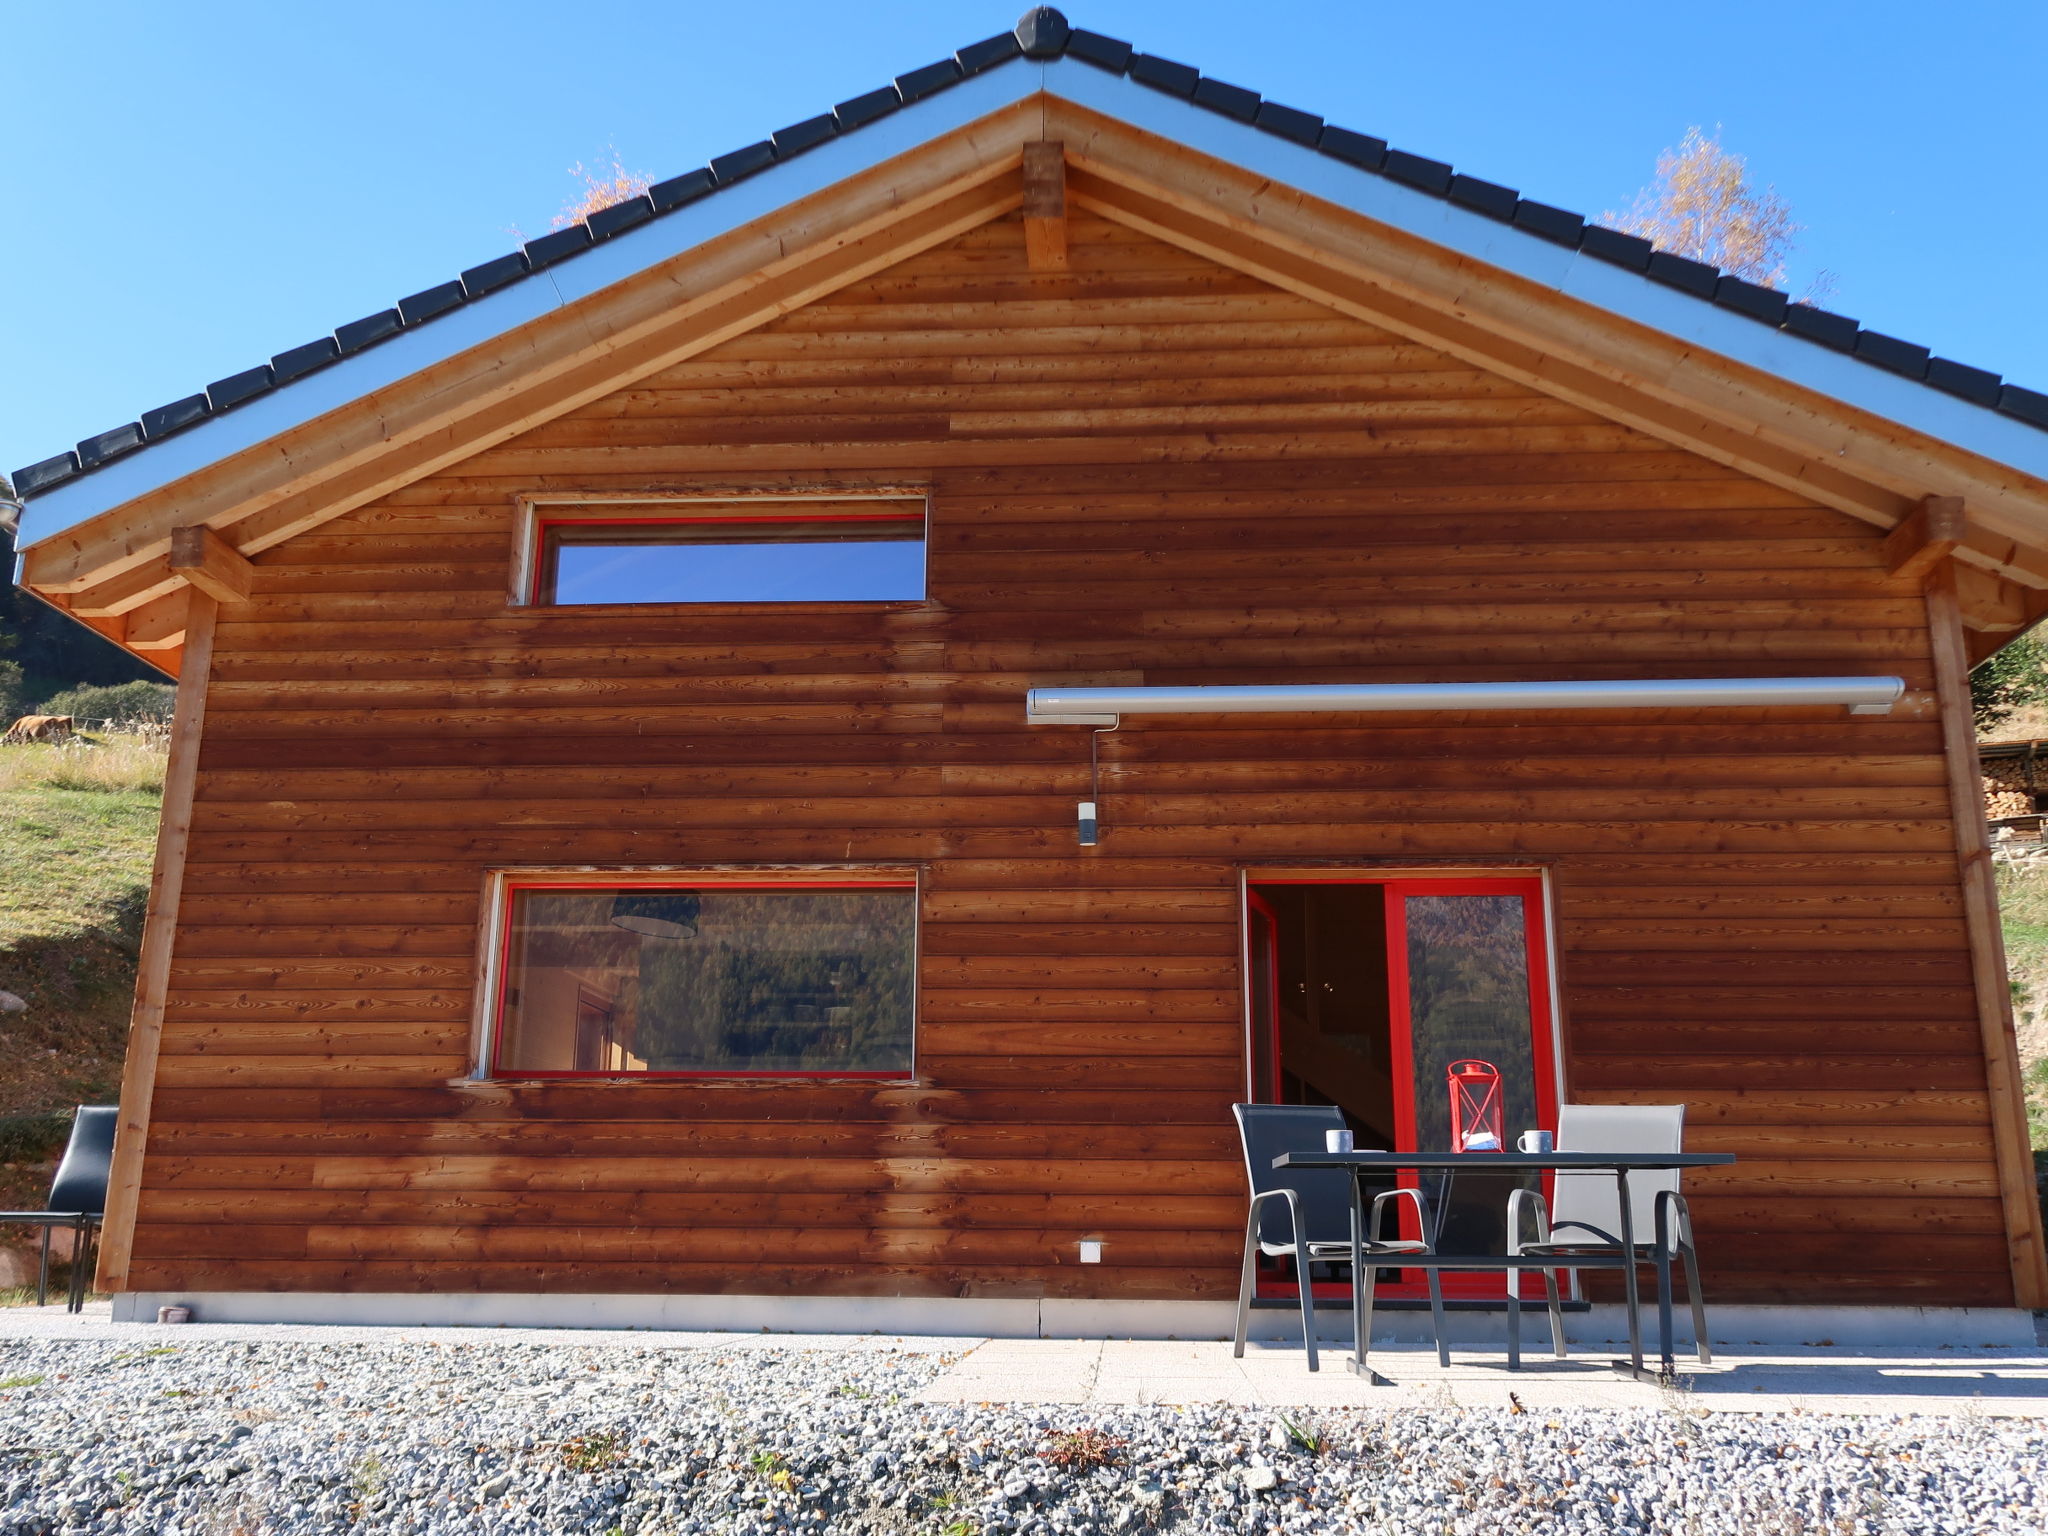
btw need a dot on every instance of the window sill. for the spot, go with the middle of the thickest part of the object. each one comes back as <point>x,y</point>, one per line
<point>641,610</point>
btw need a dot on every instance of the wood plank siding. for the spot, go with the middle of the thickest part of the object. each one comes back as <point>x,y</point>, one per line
<point>1143,468</point>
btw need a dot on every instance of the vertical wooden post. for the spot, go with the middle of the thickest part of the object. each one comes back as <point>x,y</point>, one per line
<point>1987,945</point>
<point>159,932</point>
<point>1045,207</point>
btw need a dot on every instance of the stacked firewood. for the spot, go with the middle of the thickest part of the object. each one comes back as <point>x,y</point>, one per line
<point>2005,789</point>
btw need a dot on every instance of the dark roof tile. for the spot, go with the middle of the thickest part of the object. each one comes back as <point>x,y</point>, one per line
<point>1683,272</point>
<point>1359,149</point>
<point>2027,404</point>
<point>1631,251</point>
<point>742,163</point>
<point>1231,100</point>
<point>442,297</point>
<point>1978,385</point>
<point>987,53</point>
<point>546,251</point>
<point>299,361</point>
<point>688,187</point>
<point>44,473</point>
<point>808,134</point>
<point>358,334</point>
<point>175,417</point>
<point>1164,75</point>
<point>1112,54</point>
<point>615,219</point>
<point>920,83</point>
<point>225,394</point>
<point>111,444</point>
<point>1288,123</point>
<point>1551,223</point>
<point>486,276</point>
<point>1752,299</point>
<point>1414,171</point>
<point>1042,33</point>
<point>1891,353</point>
<point>1821,325</point>
<point>1496,202</point>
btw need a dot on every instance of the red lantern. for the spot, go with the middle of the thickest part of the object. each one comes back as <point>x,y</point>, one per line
<point>1476,1124</point>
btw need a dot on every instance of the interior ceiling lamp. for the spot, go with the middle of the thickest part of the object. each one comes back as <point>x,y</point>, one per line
<point>1106,706</point>
<point>656,914</point>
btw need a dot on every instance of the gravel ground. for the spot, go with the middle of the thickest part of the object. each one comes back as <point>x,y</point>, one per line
<point>238,1439</point>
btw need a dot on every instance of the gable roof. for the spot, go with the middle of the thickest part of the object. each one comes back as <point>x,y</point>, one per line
<point>1732,373</point>
<point>1044,34</point>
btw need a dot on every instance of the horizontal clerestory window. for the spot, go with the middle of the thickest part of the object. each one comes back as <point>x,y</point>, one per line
<point>718,980</point>
<point>748,550</point>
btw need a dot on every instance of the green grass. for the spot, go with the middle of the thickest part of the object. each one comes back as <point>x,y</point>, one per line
<point>77,838</point>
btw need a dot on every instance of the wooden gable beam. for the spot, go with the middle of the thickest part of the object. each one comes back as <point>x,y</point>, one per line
<point>1045,206</point>
<point>1931,532</point>
<point>210,563</point>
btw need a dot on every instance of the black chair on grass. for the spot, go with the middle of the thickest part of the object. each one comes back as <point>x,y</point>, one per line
<point>78,1199</point>
<point>1305,1214</point>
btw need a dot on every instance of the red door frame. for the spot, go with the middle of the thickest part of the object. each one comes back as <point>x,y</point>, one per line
<point>1262,922</point>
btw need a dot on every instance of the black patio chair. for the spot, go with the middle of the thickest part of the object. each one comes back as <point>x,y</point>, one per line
<point>78,1199</point>
<point>1315,1224</point>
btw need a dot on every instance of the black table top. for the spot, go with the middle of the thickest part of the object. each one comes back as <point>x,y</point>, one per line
<point>1478,1162</point>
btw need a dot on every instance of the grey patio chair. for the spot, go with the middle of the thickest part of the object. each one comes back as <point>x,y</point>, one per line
<point>1584,1216</point>
<point>78,1199</point>
<point>1305,1214</point>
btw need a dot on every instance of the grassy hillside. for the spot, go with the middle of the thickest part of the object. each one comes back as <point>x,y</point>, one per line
<point>77,834</point>
<point>2023,903</point>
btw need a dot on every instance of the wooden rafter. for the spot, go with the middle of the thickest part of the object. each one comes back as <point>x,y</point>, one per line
<point>210,563</point>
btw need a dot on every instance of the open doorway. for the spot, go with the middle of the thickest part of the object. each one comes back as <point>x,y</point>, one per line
<point>1365,990</point>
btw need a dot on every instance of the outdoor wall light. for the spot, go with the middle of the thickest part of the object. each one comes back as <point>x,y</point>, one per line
<point>1087,823</point>
<point>1091,1250</point>
<point>657,915</point>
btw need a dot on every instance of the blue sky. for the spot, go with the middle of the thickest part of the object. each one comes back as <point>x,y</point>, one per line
<point>191,189</point>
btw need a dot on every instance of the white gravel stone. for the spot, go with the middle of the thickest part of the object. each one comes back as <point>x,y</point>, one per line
<point>218,1438</point>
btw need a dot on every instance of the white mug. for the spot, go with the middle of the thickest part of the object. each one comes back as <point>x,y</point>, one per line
<point>1336,1141</point>
<point>1536,1142</point>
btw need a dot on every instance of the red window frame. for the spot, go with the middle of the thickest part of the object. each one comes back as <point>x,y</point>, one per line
<point>1545,1048</point>
<point>543,525</point>
<point>511,889</point>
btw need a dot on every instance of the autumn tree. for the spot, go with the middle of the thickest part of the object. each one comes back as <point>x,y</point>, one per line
<point>602,187</point>
<point>1703,205</point>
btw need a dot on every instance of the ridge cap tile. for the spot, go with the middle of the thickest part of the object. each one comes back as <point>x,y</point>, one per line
<point>930,79</point>
<point>680,190</point>
<point>1110,53</point>
<point>429,302</point>
<point>988,53</point>
<point>1289,123</point>
<point>617,218</point>
<point>225,394</point>
<point>162,420</point>
<point>486,276</point>
<point>44,473</point>
<point>1233,101</point>
<point>296,361</point>
<point>1042,33</point>
<point>739,164</point>
<point>798,137</point>
<point>358,334</point>
<point>1164,75</point>
<point>546,250</point>
<point>111,444</point>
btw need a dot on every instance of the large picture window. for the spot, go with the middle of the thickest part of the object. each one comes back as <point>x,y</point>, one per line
<point>751,551</point>
<point>725,980</point>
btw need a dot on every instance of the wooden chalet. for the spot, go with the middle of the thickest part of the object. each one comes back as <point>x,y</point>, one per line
<point>609,869</point>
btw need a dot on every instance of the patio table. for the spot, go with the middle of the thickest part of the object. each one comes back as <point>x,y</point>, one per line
<point>1450,1164</point>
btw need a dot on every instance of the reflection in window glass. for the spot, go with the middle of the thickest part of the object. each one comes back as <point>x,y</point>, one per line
<point>750,560</point>
<point>1468,996</point>
<point>712,980</point>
